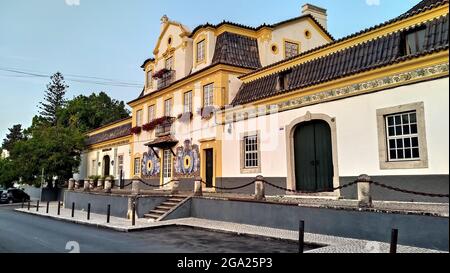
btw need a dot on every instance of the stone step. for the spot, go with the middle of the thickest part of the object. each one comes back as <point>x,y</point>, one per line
<point>155,211</point>
<point>162,207</point>
<point>152,216</point>
<point>177,200</point>
<point>171,204</point>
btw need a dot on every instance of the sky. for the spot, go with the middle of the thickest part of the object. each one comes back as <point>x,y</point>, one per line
<point>99,45</point>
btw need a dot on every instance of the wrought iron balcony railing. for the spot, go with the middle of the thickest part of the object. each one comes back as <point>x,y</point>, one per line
<point>166,79</point>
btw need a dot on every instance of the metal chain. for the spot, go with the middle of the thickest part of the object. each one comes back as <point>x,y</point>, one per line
<point>308,192</point>
<point>154,186</point>
<point>408,191</point>
<point>230,189</point>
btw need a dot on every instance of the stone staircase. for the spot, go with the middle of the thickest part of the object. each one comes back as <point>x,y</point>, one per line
<point>165,207</point>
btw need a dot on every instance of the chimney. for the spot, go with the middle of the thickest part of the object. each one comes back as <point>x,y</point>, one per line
<point>320,14</point>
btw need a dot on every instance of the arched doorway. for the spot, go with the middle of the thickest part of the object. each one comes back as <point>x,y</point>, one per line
<point>106,165</point>
<point>313,156</point>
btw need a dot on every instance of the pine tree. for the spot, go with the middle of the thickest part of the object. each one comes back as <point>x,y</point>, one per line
<point>15,134</point>
<point>54,98</point>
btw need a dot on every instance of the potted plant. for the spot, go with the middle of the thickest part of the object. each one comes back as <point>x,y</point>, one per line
<point>207,112</point>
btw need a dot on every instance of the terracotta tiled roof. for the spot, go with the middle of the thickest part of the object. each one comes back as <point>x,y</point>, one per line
<point>422,5</point>
<point>117,132</point>
<point>237,50</point>
<point>262,26</point>
<point>162,142</point>
<point>377,53</point>
<point>412,12</point>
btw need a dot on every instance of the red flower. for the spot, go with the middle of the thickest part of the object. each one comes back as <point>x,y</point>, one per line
<point>136,130</point>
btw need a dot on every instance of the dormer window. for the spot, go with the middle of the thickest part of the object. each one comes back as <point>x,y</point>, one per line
<point>169,63</point>
<point>201,51</point>
<point>283,80</point>
<point>150,79</point>
<point>414,41</point>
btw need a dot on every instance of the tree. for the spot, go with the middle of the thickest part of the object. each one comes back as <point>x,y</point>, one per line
<point>56,149</point>
<point>15,134</point>
<point>88,113</point>
<point>7,173</point>
<point>54,98</point>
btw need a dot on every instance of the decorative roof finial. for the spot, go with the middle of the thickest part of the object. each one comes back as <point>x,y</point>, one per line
<point>164,19</point>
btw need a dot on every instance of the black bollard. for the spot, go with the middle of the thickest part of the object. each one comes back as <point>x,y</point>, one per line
<point>89,211</point>
<point>59,207</point>
<point>394,241</point>
<point>29,205</point>
<point>48,204</point>
<point>108,213</point>
<point>301,237</point>
<point>23,203</point>
<point>37,205</point>
<point>73,209</point>
<point>133,214</point>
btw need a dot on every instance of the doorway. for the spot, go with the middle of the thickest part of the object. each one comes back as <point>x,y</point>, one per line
<point>209,167</point>
<point>167,166</point>
<point>313,155</point>
<point>106,165</point>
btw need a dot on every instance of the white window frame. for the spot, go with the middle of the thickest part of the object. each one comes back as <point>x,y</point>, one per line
<point>137,167</point>
<point>201,51</point>
<point>139,117</point>
<point>208,95</point>
<point>167,164</point>
<point>402,136</point>
<point>169,63</point>
<point>151,113</point>
<point>149,79</point>
<point>120,164</point>
<point>245,167</point>
<point>383,145</point>
<point>168,108</point>
<point>187,102</point>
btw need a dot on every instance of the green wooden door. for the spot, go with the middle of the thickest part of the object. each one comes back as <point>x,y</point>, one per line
<point>313,156</point>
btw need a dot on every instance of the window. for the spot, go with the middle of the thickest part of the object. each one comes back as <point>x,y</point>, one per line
<point>283,80</point>
<point>169,63</point>
<point>291,49</point>
<point>150,79</point>
<point>168,108</point>
<point>94,167</point>
<point>251,152</point>
<point>167,170</point>
<point>187,102</point>
<point>415,41</point>
<point>402,137</point>
<point>120,165</point>
<point>151,113</point>
<point>208,95</point>
<point>201,51</point>
<point>139,118</point>
<point>137,166</point>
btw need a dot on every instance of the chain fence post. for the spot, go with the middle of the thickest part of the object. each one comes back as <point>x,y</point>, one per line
<point>198,187</point>
<point>135,187</point>
<point>260,192</point>
<point>364,191</point>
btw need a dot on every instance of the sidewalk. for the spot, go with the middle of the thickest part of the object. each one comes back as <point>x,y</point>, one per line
<point>329,244</point>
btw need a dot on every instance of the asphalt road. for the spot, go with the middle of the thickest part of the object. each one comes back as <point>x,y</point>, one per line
<point>23,233</point>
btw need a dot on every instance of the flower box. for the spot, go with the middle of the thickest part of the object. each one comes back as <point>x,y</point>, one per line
<point>185,117</point>
<point>159,74</point>
<point>207,112</point>
<point>154,123</point>
<point>136,130</point>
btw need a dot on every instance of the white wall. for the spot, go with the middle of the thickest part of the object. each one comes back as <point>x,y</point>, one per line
<point>87,158</point>
<point>357,136</point>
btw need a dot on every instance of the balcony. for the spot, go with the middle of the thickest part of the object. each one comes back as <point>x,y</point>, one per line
<point>165,78</point>
<point>164,128</point>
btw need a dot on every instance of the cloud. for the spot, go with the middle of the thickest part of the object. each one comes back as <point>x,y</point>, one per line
<point>373,2</point>
<point>72,2</point>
